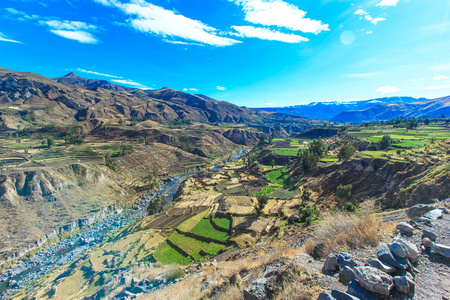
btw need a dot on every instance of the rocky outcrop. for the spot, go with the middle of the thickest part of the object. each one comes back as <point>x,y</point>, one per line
<point>242,137</point>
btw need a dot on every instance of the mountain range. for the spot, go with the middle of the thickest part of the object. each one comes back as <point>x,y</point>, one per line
<point>367,110</point>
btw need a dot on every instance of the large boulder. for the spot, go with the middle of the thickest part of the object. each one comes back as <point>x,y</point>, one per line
<point>418,210</point>
<point>434,214</point>
<point>374,280</point>
<point>398,249</point>
<point>345,259</point>
<point>412,251</point>
<point>442,250</point>
<point>385,256</point>
<point>325,296</point>
<point>405,284</point>
<point>339,295</point>
<point>331,264</point>
<point>404,228</point>
<point>355,289</point>
<point>346,274</point>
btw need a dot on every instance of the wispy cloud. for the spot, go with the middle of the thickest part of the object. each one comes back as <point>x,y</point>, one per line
<point>366,16</point>
<point>270,104</point>
<point>156,20</point>
<point>363,75</point>
<point>439,87</point>
<point>97,73</point>
<point>388,3</point>
<point>221,88</point>
<point>266,34</point>
<point>131,83</point>
<point>439,77</point>
<point>387,89</point>
<point>412,80</point>
<point>190,89</point>
<point>4,38</point>
<point>72,30</point>
<point>279,13</point>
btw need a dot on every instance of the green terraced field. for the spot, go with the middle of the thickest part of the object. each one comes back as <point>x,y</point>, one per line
<point>168,255</point>
<point>206,229</point>
<point>194,246</point>
<point>222,222</point>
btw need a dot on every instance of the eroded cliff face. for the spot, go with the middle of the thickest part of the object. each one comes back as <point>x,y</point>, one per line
<point>35,203</point>
<point>396,184</point>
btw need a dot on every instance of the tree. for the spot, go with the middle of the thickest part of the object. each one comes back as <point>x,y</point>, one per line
<point>318,147</point>
<point>306,194</point>
<point>308,160</point>
<point>443,116</point>
<point>262,201</point>
<point>346,152</point>
<point>262,139</point>
<point>385,142</point>
<point>50,142</point>
<point>157,205</point>
<point>343,192</point>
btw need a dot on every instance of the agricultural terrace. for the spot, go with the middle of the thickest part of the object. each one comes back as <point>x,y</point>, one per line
<point>291,146</point>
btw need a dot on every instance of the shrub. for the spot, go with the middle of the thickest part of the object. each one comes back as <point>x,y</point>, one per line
<point>341,231</point>
<point>262,201</point>
<point>346,152</point>
<point>385,142</point>
<point>343,192</point>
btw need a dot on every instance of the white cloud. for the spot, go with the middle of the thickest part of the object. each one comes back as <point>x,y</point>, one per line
<point>412,80</point>
<point>4,38</point>
<point>279,13</point>
<point>220,88</point>
<point>97,73</point>
<point>68,25</point>
<point>270,104</point>
<point>439,87</point>
<point>185,89</point>
<point>132,83</point>
<point>266,34</point>
<point>190,89</point>
<point>388,3</point>
<point>156,20</point>
<point>369,32</point>
<point>439,77</point>
<point>387,89</point>
<point>366,16</point>
<point>181,43</point>
<point>83,37</point>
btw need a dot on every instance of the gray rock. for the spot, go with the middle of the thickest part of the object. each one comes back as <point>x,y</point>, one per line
<point>374,280</point>
<point>387,257</point>
<point>398,249</point>
<point>375,263</point>
<point>429,234</point>
<point>345,259</point>
<point>346,274</point>
<point>256,290</point>
<point>444,210</point>
<point>422,220</point>
<point>434,214</point>
<point>331,264</point>
<point>413,252</point>
<point>426,242</point>
<point>338,295</point>
<point>382,246</point>
<point>418,210</point>
<point>295,217</point>
<point>405,284</point>
<point>325,296</point>
<point>404,227</point>
<point>355,289</point>
<point>442,250</point>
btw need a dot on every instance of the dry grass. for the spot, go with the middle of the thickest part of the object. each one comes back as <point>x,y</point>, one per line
<point>340,231</point>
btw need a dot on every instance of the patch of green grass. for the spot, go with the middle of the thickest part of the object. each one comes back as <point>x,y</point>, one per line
<point>168,255</point>
<point>329,159</point>
<point>188,244</point>
<point>222,222</point>
<point>285,151</point>
<point>411,144</point>
<point>266,190</point>
<point>213,248</point>
<point>205,228</point>
<point>189,224</point>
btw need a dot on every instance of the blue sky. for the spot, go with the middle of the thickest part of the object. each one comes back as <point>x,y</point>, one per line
<point>249,52</point>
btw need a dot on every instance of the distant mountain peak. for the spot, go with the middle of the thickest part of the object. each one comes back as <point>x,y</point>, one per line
<point>71,75</point>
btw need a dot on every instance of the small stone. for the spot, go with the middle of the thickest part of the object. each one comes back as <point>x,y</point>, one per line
<point>434,214</point>
<point>374,280</point>
<point>346,274</point>
<point>419,210</point>
<point>398,249</point>
<point>442,250</point>
<point>404,227</point>
<point>375,263</point>
<point>346,259</point>
<point>338,295</point>
<point>426,242</point>
<point>331,264</point>
<point>405,284</point>
<point>236,279</point>
<point>214,263</point>
<point>325,296</point>
<point>429,234</point>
